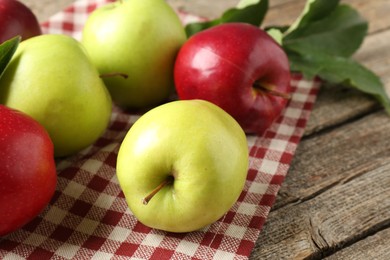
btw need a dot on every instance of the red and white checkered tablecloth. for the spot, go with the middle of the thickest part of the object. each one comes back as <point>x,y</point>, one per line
<point>88,217</point>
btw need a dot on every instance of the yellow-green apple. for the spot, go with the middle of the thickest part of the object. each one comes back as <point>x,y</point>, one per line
<point>238,67</point>
<point>134,43</point>
<point>17,19</point>
<point>27,169</point>
<point>51,78</point>
<point>182,165</point>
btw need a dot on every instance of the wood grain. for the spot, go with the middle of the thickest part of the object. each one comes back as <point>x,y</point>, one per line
<point>336,195</point>
<point>338,216</point>
<point>335,157</point>
<point>336,105</point>
<point>375,53</point>
<point>364,249</point>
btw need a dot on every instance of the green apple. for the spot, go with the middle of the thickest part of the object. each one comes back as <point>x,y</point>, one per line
<point>182,165</point>
<point>133,44</point>
<point>51,78</point>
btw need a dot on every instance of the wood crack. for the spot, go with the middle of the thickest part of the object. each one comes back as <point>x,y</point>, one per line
<point>369,233</point>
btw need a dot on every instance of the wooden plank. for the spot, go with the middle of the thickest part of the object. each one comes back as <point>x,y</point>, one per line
<point>372,247</point>
<point>375,54</point>
<point>335,192</point>
<point>335,157</point>
<point>284,13</point>
<point>376,12</point>
<point>338,104</point>
<point>204,8</point>
<point>340,215</point>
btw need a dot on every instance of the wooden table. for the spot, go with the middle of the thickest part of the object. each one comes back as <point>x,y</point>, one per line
<point>335,201</point>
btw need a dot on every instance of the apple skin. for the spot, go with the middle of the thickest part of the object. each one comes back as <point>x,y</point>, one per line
<point>138,38</point>
<point>51,78</point>
<point>27,169</point>
<point>17,19</point>
<point>223,63</point>
<point>198,145</point>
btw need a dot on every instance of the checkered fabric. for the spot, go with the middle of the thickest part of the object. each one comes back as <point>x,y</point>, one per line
<point>88,217</point>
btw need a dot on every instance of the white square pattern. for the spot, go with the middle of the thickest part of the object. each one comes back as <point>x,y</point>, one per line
<point>258,188</point>
<point>104,201</point>
<point>87,226</point>
<point>269,167</point>
<point>74,189</point>
<point>236,231</point>
<point>67,251</point>
<point>278,145</point>
<point>152,240</point>
<point>187,247</point>
<point>92,166</point>
<point>55,215</point>
<point>119,234</point>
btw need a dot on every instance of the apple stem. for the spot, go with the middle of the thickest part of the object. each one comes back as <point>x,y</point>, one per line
<point>268,89</point>
<point>114,74</point>
<point>146,200</point>
<point>278,94</point>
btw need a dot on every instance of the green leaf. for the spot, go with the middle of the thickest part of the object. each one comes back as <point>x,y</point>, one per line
<point>276,34</point>
<point>340,33</point>
<point>246,11</point>
<point>282,29</point>
<point>314,10</point>
<point>342,70</point>
<point>7,50</point>
<point>306,66</point>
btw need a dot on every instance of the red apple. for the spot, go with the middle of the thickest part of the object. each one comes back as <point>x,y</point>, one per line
<point>17,19</point>
<point>27,169</point>
<point>238,67</point>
